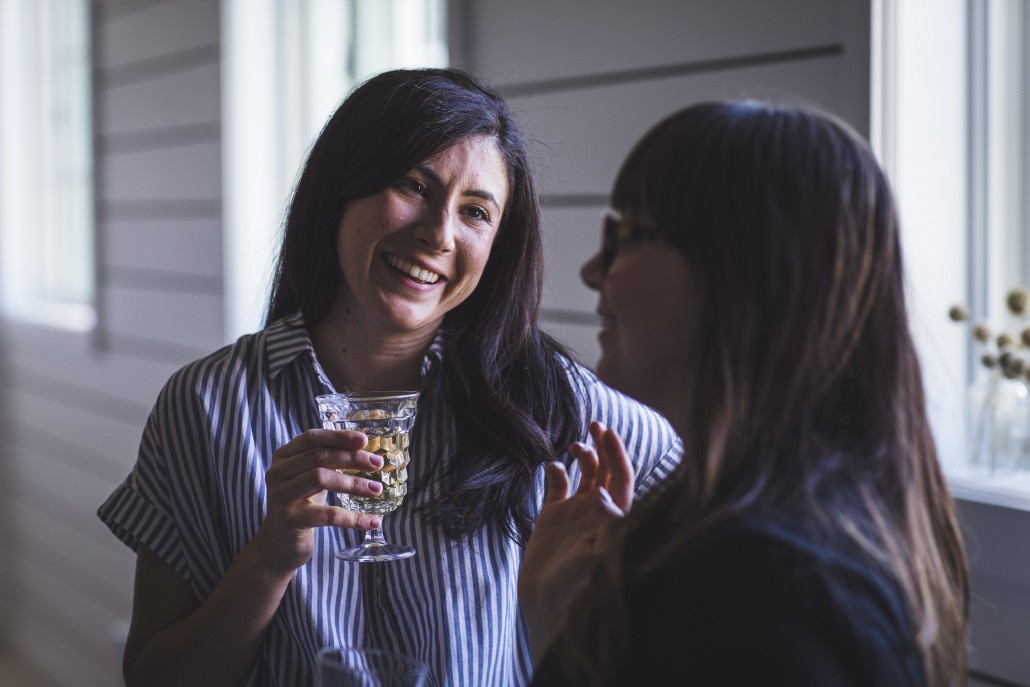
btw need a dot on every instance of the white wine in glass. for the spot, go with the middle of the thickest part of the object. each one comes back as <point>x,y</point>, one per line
<point>386,418</point>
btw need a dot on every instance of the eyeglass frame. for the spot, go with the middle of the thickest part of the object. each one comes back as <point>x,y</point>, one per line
<point>616,230</point>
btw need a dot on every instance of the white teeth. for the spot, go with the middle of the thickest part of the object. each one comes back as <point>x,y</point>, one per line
<point>413,270</point>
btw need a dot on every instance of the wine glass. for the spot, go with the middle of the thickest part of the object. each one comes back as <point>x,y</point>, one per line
<point>357,667</point>
<point>386,418</point>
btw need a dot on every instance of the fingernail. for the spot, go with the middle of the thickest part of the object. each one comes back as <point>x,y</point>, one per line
<point>605,496</point>
<point>376,460</point>
<point>375,523</point>
<point>582,445</point>
<point>358,440</point>
<point>375,486</point>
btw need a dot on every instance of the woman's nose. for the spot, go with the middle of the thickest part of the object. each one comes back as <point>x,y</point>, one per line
<point>591,272</point>
<point>436,231</point>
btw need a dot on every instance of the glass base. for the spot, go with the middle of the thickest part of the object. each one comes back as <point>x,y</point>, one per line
<point>373,552</point>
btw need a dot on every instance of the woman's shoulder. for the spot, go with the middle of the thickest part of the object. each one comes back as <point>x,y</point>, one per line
<point>236,364</point>
<point>793,561</point>
<point>649,438</point>
<point>605,404</point>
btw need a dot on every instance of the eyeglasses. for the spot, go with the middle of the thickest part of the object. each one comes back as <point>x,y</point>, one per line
<point>619,230</point>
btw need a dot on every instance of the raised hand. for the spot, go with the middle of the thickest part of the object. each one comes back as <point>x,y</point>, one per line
<point>569,530</point>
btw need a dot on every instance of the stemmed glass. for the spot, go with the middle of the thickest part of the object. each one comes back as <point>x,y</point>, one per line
<point>339,667</point>
<point>386,418</point>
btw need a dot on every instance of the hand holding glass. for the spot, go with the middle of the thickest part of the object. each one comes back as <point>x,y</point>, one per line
<point>386,418</point>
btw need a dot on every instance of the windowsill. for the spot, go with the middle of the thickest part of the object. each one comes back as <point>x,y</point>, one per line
<point>1006,491</point>
<point>70,317</point>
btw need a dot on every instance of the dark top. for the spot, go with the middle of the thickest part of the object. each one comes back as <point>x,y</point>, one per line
<point>755,603</point>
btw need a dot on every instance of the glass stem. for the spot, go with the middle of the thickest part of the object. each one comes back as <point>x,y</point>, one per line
<point>375,537</point>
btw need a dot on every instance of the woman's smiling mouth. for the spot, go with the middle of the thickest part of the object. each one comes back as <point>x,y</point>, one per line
<point>411,269</point>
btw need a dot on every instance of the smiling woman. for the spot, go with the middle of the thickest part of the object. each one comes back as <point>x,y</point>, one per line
<point>412,252</point>
<point>411,259</point>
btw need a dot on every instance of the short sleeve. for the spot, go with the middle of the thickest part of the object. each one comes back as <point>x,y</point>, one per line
<point>651,443</point>
<point>140,510</point>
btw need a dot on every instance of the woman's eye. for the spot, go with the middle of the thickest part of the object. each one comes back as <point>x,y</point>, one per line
<point>478,213</point>
<point>413,185</point>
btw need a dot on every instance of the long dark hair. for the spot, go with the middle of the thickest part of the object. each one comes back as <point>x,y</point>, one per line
<point>806,394</point>
<point>505,380</point>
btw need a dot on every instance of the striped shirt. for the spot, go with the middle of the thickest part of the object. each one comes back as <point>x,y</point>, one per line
<point>196,496</point>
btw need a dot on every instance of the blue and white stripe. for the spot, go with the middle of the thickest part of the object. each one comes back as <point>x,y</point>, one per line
<point>197,495</point>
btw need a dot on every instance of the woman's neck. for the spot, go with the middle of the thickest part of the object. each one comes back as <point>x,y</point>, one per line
<point>359,358</point>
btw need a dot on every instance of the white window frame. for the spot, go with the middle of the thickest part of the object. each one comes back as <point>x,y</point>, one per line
<point>47,228</point>
<point>941,133</point>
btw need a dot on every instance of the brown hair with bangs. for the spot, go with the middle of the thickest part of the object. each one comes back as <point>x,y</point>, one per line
<point>806,376</point>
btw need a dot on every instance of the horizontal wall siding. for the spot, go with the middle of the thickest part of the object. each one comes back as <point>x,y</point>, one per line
<point>192,246</point>
<point>585,133</point>
<point>73,406</point>
<point>189,171</point>
<point>998,543</point>
<point>180,318</point>
<point>574,38</point>
<point>158,153</point>
<point>179,104</point>
<point>132,34</point>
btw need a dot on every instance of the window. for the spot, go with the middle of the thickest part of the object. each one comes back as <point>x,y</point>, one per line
<point>952,113</point>
<point>287,64</point>
<point>46,196</point>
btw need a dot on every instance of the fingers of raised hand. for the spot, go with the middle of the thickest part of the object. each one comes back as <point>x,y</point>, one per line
<point>617,469</point>
<point>587,459</point>
<point>557,482</point>
<point>607,505</point>
<point>597,432</point>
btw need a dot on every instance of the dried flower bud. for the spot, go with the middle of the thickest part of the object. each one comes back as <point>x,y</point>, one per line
<point>1009,373</point>
<point>982,333</point>
<point>1017,365</point>
<point>957,313</point>
<point>1006,340</point>
<point>1025,337</point>
<point>1018,301</point>
<point>1005,359</point>
<point>989,361</point>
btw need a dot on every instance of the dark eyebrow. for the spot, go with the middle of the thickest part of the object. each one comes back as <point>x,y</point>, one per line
<point>478,193</point>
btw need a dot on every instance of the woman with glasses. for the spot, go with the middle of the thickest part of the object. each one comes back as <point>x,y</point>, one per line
<point>411,259</point>
<point>751,289</point>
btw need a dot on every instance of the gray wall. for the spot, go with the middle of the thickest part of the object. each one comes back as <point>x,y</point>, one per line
<point>586,77</point>
<point>75,404</point>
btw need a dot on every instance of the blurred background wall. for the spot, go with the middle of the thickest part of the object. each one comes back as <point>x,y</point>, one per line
<point>587,77</point>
